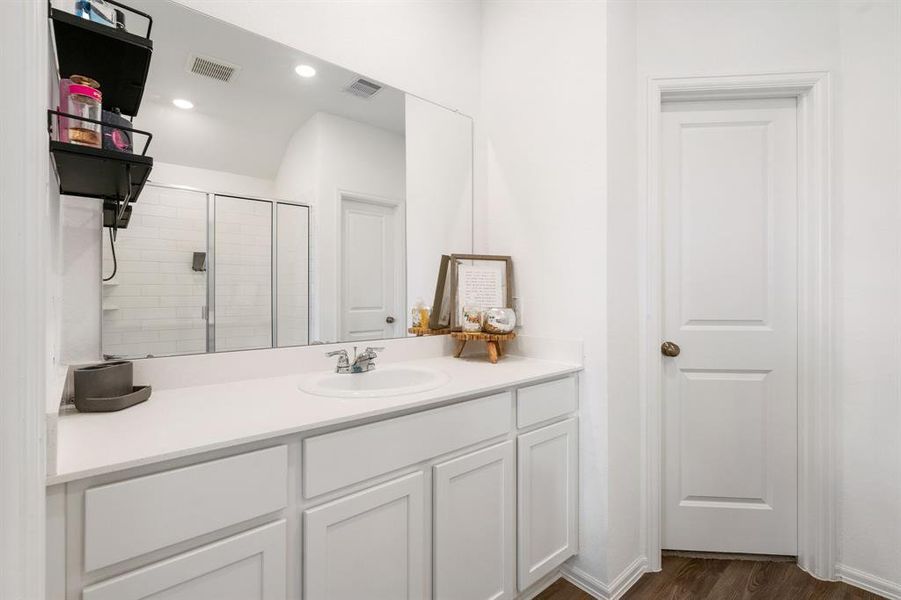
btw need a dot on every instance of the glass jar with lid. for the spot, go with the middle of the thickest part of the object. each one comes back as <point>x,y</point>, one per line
<point>80,97</point>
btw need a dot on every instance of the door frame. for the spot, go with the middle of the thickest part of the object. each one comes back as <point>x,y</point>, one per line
<point>400,245</point>
<point>817,438</point>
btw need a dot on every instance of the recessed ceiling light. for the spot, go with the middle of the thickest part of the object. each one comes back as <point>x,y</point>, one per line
<point>183,104</point>
<point>305,70</point>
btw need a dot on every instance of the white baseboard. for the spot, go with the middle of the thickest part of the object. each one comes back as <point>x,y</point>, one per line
<point>606,591</point>
<point>631,574</point>
<point>539,586</point>
<point>868,582</point>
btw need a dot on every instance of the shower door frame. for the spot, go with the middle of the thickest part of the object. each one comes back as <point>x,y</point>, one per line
<point>273,266</point>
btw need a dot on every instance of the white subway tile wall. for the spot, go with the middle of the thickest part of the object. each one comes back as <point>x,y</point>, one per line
<point>292,266</point>
<point>243,264</point>
<point>154,304</point>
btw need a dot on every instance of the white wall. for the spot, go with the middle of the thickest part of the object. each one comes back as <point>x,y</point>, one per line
<point>541,197</point>
<point>439,192</point>
<point>79,279</point>
<point>28,222</point>
<point>430,49</point>
<point>869,293</point>
<point>209,180</point>
<point>624,541</point>
<point>326,156</point>
<point>207,139</point>
<point>859,42</point>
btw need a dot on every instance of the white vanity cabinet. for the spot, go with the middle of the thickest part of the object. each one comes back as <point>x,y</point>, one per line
<point>471,500</point>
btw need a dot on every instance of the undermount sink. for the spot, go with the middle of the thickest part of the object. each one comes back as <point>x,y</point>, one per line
<point>382,381</point>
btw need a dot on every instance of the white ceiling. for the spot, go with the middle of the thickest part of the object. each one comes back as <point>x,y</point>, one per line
<point>242,126</point>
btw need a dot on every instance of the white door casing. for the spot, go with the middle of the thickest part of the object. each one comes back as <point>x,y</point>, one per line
<point>817,458</point>
<point>729,186</point>
<point>474,525</point>
<point>371,278</point>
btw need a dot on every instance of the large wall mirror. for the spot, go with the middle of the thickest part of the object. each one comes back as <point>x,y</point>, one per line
<point>292,201</point>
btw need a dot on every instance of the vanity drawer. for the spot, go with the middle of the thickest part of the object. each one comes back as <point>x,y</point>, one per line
<point>339,459</point>
<point>545,401</point>
<point>130,518</point>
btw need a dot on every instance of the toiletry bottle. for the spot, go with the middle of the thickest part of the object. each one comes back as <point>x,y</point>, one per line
<point>416,315</point>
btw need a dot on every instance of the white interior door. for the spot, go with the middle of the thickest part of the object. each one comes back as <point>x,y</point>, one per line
<point>370,270</point>
<point>729,201</point>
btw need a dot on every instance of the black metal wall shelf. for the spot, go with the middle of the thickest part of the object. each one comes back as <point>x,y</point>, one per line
<point>118,60</point>
<point>99,173</point>
<point>116,177</point>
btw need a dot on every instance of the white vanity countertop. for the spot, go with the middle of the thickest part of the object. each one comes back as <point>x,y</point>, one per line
<point>183,421</point>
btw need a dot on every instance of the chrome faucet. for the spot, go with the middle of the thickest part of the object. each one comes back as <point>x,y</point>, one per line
<point>363,362</point>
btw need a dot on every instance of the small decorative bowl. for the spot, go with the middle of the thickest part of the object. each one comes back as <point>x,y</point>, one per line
<point>499,320</point>
<point>472,319</point>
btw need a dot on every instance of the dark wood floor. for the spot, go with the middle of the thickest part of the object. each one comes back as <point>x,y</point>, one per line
<point>717,579</point>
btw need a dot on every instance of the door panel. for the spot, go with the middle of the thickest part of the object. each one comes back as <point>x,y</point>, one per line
<point>293,269</point>
<point>367,545</point>
<point>474,526</point>
<point>730,302</point>
<point>725,234</point>
<point>370,270</point>
<point>243,255</point>
<point>547,487</point>
<point>248,566</point>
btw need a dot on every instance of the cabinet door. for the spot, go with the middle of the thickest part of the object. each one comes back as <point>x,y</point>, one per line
<point>249,566</point>
<point>474,526</point>
<point>367,545</point>
<point>548,503</point>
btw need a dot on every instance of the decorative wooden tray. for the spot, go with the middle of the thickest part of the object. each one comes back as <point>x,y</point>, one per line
<point>421,331</point>
<point>494,342</point>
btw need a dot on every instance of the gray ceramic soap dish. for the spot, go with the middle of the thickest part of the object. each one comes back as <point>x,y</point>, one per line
<point>108,387</point>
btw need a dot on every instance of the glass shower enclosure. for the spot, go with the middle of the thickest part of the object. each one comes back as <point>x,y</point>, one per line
<point>203,272</point>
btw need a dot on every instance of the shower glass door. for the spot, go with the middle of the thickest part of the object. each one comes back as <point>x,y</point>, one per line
<point>243,258</point>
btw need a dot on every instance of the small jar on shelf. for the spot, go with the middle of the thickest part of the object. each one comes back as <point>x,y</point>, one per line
<point>80,97</point>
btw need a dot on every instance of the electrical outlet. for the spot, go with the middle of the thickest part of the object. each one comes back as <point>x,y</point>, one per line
<point>518,305</point>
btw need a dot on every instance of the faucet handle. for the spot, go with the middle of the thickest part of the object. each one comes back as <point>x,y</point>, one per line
<point>343,360</point>
<point>373,350</point>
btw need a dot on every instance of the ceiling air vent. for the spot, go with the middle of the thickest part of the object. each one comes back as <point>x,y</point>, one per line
<point>212,68</point>
<point>363,88</point>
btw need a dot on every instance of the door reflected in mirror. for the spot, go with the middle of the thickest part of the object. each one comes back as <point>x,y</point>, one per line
<point>319,199</point>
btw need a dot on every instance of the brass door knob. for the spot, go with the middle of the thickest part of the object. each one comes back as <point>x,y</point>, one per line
<point>670,349</point>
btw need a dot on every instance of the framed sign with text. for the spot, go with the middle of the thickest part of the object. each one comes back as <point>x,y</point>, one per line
<point>480,281</point>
